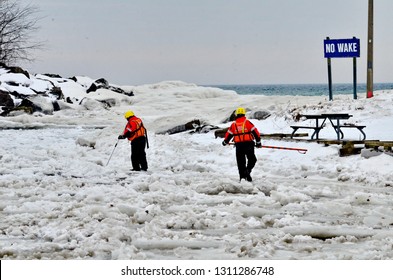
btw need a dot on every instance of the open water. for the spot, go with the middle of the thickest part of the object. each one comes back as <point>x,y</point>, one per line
<point>303,89</point>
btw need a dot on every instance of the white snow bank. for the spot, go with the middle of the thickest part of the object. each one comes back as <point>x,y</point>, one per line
<point>59,200</point>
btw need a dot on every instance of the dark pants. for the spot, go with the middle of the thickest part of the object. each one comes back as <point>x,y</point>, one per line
<point>245,157</point>
<point>138,155</point>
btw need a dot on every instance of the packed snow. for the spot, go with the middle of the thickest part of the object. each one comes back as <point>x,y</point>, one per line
<point>60,198</point>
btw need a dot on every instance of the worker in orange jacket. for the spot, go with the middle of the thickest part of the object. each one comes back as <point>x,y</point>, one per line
<point>136,133</point>
<point>244,133</point>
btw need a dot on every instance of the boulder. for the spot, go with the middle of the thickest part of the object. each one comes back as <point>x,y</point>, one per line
<point>15,70</point>
<point>131,93</point>
<point>86,142</point>
<point>184,127</point>
<point>109,102</point>
<point>91,104</point>
<point>93,87</point>
<point>41,104</point>
<point>368,153</point>
<point>205,128</point>
<point>6,100</point>
<point>220,132</point>
<point>57,76</point>
<point>57,92</point>
<point>231,117</point>
<point>102,83</point>
<point>260,115</point>
<point>26,106</point>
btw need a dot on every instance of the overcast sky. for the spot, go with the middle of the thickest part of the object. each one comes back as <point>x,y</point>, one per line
<point>131,42</point>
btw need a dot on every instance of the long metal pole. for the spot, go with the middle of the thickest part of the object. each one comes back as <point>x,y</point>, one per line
<point>300,150</point>
<point>355,96</point>
<point>370,48</point>
<point>112,152</point>
<point>329,65</point>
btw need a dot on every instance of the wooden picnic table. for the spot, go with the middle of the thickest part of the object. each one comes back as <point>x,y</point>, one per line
<point>334,118</point>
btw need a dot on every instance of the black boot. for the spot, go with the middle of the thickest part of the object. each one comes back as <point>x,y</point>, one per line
<point>248,176</point>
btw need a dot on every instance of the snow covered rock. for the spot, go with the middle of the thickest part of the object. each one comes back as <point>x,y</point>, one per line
<point>260,115</point>
<point>21,92</point>
<point>368,153</point>
<point>5,99</point>
<point>86,142</point>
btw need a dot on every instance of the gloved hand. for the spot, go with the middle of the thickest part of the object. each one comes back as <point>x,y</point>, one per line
<point>121,137</point>
<point>258,145</point>
<point>224,143</point>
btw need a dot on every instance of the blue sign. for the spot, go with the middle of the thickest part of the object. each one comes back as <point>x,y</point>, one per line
<point>342,48</point>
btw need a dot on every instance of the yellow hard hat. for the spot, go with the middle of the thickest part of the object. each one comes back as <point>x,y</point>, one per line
<point>129,114</point>
<point>240,111</point>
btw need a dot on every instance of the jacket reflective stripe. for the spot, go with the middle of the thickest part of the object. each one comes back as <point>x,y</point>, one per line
<point>242,132</point>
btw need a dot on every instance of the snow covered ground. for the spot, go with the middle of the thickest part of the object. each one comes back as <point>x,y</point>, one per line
<point>59,200</point>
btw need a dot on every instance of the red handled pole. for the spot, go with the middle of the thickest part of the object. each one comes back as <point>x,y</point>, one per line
<point>300,150</point>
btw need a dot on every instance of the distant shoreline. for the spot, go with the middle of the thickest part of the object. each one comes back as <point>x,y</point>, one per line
<point>300,89</point>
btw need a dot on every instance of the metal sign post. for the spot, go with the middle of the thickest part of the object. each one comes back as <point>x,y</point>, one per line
<point>370,49</point>
<point>341,48</point>
<point>329,64</point>
<point>355,96</point>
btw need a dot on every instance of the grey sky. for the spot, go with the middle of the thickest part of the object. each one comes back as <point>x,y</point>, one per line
<point>132,42</point>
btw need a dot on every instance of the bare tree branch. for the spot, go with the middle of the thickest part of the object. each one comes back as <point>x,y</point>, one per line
<point>17,27</point>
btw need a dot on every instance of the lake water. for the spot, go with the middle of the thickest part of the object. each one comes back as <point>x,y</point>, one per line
<point>302,89</point>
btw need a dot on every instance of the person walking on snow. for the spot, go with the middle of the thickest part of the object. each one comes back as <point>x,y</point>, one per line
<point>243,133</point>
<point>137,134</point>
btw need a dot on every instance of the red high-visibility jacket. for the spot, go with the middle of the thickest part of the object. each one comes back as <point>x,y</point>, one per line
<point>134,128</point>
<point>242,130</point>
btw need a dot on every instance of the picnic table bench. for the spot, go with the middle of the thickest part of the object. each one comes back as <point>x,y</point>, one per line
<point>358,127</point>
<point>315,128</point>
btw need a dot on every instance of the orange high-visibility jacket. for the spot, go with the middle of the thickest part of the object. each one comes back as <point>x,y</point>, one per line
<point>134,128</point>
<point>242,130</point>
